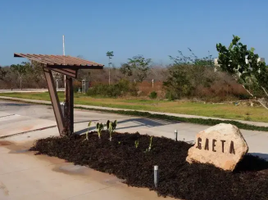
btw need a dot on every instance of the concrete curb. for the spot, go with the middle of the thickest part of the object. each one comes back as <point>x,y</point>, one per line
<point>120,109</point>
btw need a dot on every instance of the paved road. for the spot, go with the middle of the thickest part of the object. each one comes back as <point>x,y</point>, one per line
<point>108,108</point>
<point>25,176</point>
<point>22,117</point>
<point>25,90</point>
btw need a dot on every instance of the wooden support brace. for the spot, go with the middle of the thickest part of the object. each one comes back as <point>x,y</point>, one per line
<point>54,100</point>
<point>69,105</point>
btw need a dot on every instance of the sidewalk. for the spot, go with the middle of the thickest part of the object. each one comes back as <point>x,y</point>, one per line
<point>25,176</point>
<point>120,109</point>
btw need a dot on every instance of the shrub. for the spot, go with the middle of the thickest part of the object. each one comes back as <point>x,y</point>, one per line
<point>76,85</point>
<point>123,87</point>
<point>153,95</point>
<point>170,96</point>
<point>179,82</point>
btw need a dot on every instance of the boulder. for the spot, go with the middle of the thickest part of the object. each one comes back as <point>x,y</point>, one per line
<point>221,145</point>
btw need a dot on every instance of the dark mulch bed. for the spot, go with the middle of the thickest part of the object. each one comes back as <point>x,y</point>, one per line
<point>177,178</point>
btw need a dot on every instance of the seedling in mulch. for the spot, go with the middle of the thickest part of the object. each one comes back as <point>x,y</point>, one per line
<point>99,127</point>
<point>137,143</point>
<point>88,126</point>
<point>107,125</point>
<point>150,144</point>
<point>111,126</point>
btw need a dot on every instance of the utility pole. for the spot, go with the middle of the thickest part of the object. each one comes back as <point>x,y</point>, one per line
<point>109,71</point>
<point>63,48</point>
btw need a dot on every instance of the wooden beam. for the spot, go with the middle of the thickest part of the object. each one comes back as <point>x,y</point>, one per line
<point>54,99</point>
<point>67,72</point>
<point>70,104</point>
<point>74,67</point>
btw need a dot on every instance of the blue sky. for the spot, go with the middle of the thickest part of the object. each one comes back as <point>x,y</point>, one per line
<point>153,28</point>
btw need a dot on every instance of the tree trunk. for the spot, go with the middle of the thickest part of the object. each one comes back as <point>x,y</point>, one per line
<point>20,83</point>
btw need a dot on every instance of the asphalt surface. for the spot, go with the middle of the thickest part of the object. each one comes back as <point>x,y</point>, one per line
<point>17,117</point>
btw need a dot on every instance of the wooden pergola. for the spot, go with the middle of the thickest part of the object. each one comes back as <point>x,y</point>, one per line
<point>65,65</point>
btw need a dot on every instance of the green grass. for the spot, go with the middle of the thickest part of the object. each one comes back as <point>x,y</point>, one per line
<point>226,111</point>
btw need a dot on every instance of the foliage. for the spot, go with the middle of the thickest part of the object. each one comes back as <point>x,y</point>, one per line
<point>123,87</point>
<point>244,65</point>
<point>178,82</point>
<point>192,59</point>
<point>153,95</point>
<point>3,73</point>
<point>126,69</point>
<point>110,54</point>
<point>170,95</point>
<point>137,66</point>
<point>88,126</point>
<point>186,74</point>
<point>196,72</point>
<point>99,127</point>
<point>35,71</point>
<point>111,126</point>
<point>137,142</point>
<point>150,144</point>
<point>21,70</point>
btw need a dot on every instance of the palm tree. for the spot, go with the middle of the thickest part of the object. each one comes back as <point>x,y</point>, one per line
<point>110,55</point>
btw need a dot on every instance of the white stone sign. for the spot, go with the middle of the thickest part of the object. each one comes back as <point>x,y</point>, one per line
<point>222,145</point>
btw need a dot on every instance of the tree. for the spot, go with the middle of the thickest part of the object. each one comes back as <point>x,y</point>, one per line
<point>245,66</point>
<point>137,66</point>
<point>126,70</point>
<point>187,73</point>
<point>178,83</point>
<point>36,71</point>
<point>20,70</point>
<point>110,55</point>
<point>192,59</point>
<point>3,73</point>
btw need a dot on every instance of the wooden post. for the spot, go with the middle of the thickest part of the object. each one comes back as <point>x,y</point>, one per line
<point>54,100</point>
<point>69,105</point>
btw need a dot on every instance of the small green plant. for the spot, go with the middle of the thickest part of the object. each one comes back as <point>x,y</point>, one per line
<point>107,125</point>
<point>153,95</point>
<point>137,142</point>
<point>99,127</point>
<point>111,126</point>
<point>170,96</point>
<point>88,126</point>
<point>150,144</point>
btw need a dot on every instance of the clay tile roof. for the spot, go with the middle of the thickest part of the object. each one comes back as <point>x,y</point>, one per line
<point>59,61</point>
